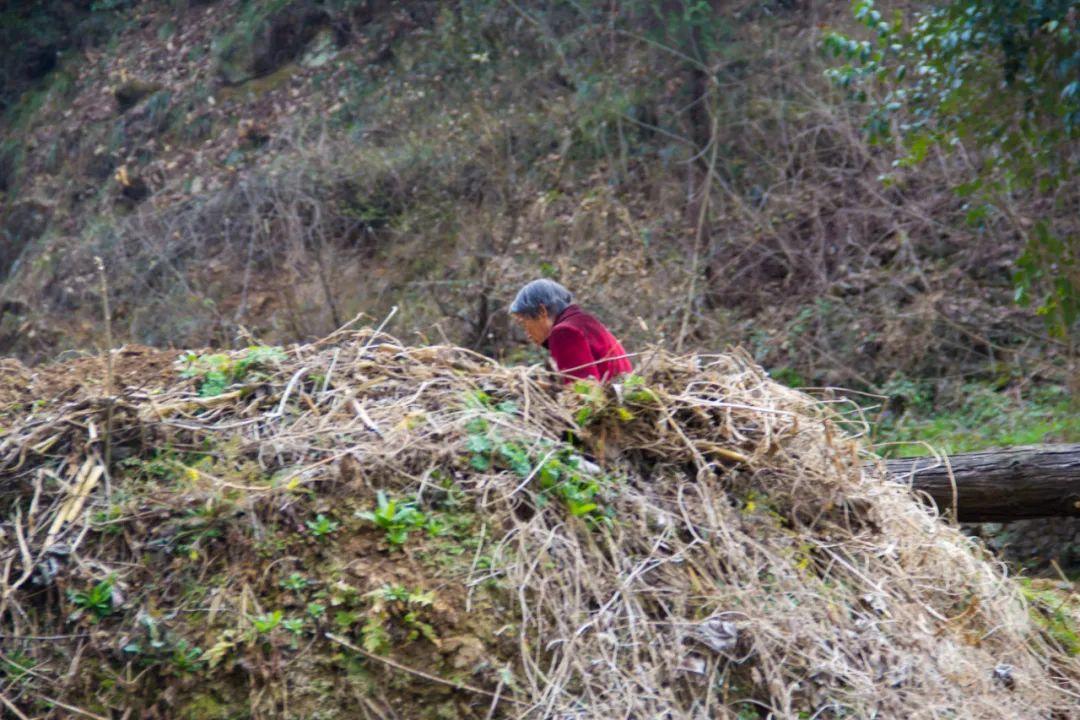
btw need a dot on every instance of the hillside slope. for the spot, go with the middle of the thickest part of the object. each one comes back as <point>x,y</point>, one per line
<point>357,528</point>
<point>274,168</point>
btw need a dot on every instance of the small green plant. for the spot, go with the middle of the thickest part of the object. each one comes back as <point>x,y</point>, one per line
<point>163,466</point>
<point>186,659</point>
<point>480,400</point>
<point>109,522</point>
<point>562,477</point>
<point>15,666</point>
<point>596,402</point>
<point>593,396</point>
<point>635,391</point>
<point>397,519</point>
<point>199,526</point>
<point>267,622</point>
<point>345,619</point>
<point>1055,613</point>
<point>322,526</point>
<point>295,582</point>
<point>479,446</point>
<point>401,594</point>
<point>316,610</point>
<point>562,474</point>
<point>294,625</point>
<point>375,638</point>
<point>98,601</point>
<point>486,449</point>
<point>396,606</point>
<point>216,372</point>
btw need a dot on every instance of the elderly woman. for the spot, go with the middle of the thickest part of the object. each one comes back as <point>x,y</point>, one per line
<point>579,343</point>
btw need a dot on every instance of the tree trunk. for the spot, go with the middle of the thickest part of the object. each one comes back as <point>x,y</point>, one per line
<point>998,485</point>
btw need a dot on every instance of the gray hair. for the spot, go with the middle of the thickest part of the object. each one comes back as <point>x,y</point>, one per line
<point>538,294</point>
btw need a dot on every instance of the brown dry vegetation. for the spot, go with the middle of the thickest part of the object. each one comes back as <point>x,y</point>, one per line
<point>730,556</point>
<point>270,172</point>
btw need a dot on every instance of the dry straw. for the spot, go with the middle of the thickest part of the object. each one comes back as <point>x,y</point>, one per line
<point>754,567</point>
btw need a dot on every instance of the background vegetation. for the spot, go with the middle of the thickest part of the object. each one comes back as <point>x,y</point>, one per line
<point>858,194</point>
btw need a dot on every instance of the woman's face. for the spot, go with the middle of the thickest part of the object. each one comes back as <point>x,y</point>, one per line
<point>537,328</point>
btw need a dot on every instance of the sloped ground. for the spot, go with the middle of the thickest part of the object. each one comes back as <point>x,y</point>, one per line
<point>355,528</point>
<point>278,166</point>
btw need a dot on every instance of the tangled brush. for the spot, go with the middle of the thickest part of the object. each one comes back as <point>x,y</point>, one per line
<point>696,541</point>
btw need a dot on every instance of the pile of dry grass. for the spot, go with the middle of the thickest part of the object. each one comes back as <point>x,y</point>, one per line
<point>740,561</point>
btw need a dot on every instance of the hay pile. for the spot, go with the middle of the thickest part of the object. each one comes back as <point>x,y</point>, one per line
<point>704,544</point>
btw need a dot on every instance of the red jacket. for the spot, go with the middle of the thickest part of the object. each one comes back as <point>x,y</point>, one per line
<point>580,344</point>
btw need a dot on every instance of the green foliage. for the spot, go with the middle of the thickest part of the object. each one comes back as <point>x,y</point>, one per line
<point>594,400</point>
<point>164,466</point>
<point>267,622</point>
<point>98,600</point>
<point>559,471</point>
<point>598,403</point>
<point>986,418</point>
<point>563,476</point>
<point>636,392</point>
<point>375,637</point>
<point>15,665</point>
<point>216,372</point>
<point>1055,612</point>
<point>322,527</point>
<point>401,594</point>
<point>480,400</point>
<point>396,518</point>
<point>295,582</point>
<point>788,376</point>
<point>186,659</point>
<point>1003,75</point>
<point>396,607</point>
<point>1051,265</point>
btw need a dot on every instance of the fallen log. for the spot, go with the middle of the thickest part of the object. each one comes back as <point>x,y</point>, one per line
<point>1031,481</point>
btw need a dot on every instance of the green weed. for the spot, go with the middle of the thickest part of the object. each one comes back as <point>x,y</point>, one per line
<point>322,526</point>
<point>216,372</point>
<point>186,659</point>
<point>562,476</point>
<point>295,582</point>
<point>395,518</point>
<point>267,622</point>
<point>986,419</point>
<point>1053,613</point>
<point>15,665</point>
<point>559,471</point>
<point>636,392</point>
<point>396,606</point>
<point>98,600</point>
<point>294,625</point>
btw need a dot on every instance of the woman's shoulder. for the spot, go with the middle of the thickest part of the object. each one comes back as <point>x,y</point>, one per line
<point>580,320</point>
